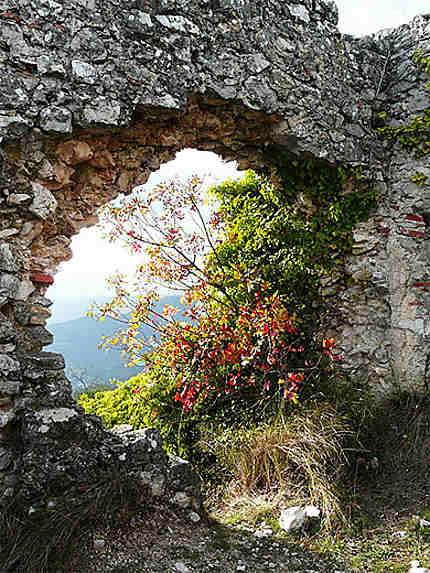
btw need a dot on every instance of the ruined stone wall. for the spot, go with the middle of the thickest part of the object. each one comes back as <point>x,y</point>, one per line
<point>95,94</point>
<point>385,316</point>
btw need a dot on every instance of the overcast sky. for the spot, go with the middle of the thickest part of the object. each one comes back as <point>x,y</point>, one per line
<point>362,17</point>
<point>82,279</point>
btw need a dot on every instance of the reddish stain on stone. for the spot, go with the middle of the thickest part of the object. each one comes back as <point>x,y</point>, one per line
<point>416,303</point>
<point>412,217</point>
<point>411,233</point>
<point>42,278</point>
<point>421,284</point>
<point>383,230</point>
<point>416,234</point>
<point>396,207</point>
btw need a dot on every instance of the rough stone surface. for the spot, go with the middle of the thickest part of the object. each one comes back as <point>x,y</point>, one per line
<point>44,202</point>
<point>295,518</point>
<point>95,95</point>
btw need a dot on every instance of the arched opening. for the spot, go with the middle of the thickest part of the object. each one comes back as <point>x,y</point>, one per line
<point>81,282</point>
<point>95,96</point>
<point>47,441</point>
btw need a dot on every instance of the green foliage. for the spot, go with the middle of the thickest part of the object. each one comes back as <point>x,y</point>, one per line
<point>283,232</point>
<point>295,230</point>
<point>419,178</point>
<point>414,136</point>
<point>147,401</point>
<point>119,406</point>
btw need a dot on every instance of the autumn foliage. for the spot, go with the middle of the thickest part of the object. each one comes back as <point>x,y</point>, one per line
<point>234,338</point>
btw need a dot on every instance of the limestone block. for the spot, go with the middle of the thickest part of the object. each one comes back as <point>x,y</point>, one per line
<point>31,230</point>
<point>39,314</point>
<point>7,331</point>
<point>6,418</point>
<point>48,66</point>
<point>5,459</point>
<point>103,111</point>
<point>141,20</point>
<point>49,416</point>
<point>7,260</point>
<point>63,174</point>
<point>7,233</point>
<point>84,72</point>
<point>89,4</point>
<point>11,387</point>
<point>38,336</point>
<point>9,285</point>
<point>26,287</point>
<point>15,123</point>
<point>44,203</point>
<point>56,119</point>
<point>46,170</point>
<point>36,365</point>
<point>300,12</point>
<point>178,23</point>
<point>155,480</point>
<point>8,365</point>
<point>182,499</point>
<point>18,199</point>
<point>36,298</point>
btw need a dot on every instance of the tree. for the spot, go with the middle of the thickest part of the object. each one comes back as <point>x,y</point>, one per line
<point>234,342</point>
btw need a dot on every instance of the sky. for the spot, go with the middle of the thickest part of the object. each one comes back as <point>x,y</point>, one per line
<point>94,258</point>
<point>362,17</point>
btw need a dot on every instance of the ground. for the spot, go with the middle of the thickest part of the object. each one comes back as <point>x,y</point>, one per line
<point>182,548</point>
<point>384,535</point>
<point>385,500</point>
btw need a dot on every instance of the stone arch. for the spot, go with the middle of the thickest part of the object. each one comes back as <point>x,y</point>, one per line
<point>95,95</point>
<point>71,177</point>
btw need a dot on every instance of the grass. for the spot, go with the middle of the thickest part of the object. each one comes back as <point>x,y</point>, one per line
<point>300,458</point>
<point>46,536</point>
<point>367,469</point>
<point>364,465</point>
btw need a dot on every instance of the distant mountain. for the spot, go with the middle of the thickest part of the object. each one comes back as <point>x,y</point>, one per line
<point>77,340</point>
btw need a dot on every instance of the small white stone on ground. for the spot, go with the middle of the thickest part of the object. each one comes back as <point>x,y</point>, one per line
<point>292,518</point>
<point>99,543</point>
<point>182,568</point>
<point>415,567</point>
<point>296,517</point>
<point>312,511</point>
<point>195,517</point>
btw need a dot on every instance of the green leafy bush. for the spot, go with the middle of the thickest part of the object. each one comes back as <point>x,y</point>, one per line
<point>251,338</point>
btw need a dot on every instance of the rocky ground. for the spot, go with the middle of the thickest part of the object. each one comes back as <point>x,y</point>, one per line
<point>146,546</point>
<point>384,536</point>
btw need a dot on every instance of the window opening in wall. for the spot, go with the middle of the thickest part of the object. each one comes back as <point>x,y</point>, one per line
<point>83,281</point>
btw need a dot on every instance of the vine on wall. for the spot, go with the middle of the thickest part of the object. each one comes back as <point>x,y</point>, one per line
<point>413,136</point>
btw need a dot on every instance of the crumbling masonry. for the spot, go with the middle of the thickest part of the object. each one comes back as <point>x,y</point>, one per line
<point>96,94</point>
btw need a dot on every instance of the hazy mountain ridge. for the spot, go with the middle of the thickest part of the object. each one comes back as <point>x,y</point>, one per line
<point>78,341</point>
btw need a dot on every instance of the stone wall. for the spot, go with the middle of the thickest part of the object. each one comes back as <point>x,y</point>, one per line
<point>96,94</point>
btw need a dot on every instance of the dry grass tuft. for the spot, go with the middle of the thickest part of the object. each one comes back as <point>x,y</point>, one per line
<point>300,458</point>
